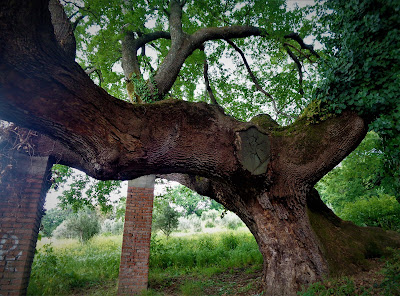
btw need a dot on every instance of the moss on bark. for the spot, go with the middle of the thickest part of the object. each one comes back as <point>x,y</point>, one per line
<point>345,245</point>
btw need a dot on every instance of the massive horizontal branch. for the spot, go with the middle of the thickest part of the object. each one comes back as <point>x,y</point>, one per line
<point>108,138</point>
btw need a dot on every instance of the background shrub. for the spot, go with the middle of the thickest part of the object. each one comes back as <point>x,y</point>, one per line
<point>380,211</point>
<point>84,225</point>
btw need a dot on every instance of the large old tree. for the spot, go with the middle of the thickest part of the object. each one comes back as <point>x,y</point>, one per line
<point>261,170</point>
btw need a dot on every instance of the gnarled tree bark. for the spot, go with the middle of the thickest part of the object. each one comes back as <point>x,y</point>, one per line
<point>259,170</point>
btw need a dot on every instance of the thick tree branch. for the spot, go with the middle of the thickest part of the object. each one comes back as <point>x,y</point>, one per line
<point>170,67</point>
<point>112,139</point>
<point>175,24</point>
<point>149,37</point>
<point>255,80</point>
<point>63,30</point>
<point>77,21</point>
<point>130,62</point>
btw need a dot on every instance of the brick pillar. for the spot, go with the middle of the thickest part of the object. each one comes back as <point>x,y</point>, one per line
<point>134,267</point>
<point>24,181</point>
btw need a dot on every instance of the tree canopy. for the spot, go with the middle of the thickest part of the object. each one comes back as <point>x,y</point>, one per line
<point>247,58</point>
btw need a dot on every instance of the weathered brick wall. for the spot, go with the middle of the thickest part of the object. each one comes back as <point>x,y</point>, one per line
<point>134,267</point>
<point>24,181</point>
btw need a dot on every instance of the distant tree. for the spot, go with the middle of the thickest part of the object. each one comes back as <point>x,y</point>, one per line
<point>191,201</point>
<point>165,217</point>
<point>82,225</point>
<point>52,219</point>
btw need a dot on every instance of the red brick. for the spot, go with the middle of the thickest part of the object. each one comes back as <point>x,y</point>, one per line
<point>21,202</point>
<point>133,275</point>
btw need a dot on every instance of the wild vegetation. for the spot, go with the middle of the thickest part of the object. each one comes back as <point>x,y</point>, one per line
<point>196,264</point>
<point>149,92</point>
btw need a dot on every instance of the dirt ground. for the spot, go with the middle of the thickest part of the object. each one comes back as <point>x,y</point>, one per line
<point>240,282</point>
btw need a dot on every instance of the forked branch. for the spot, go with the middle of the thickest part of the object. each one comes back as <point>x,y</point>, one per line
<point>255,80</point>
<point>299,68</point>
<point>296,37</point>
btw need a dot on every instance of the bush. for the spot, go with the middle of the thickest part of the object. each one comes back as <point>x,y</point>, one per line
<point>195,221</point>
<point>184,224</point>
<point>391,283</point>
<point>52,219</point>
<point>112,227</point>
<point>209,224</point>
<point>380,211</point>
<point>231,221</point>
<point>84,225</point>
<point>210,215</point>
<point>62,231</point>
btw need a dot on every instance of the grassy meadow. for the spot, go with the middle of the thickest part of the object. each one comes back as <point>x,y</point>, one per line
<point>220,263</point>
<point>185,265</point>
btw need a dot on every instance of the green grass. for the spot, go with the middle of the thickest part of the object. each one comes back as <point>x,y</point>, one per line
<point>190,265</point>
<point>59,270</point>
<point>64,267</point>
<point>199,253</point>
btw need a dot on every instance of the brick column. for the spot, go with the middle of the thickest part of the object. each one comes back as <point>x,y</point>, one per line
<point>134,267</point>
<point>24,181</point>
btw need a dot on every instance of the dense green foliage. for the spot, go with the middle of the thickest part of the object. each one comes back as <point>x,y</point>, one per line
<point>361,175</point>
<point>78,190</point>
<point>380,211</point>
<point>101,28</point>
<point>361,190</point>
<point>52,219</point>
<point>361,70</point>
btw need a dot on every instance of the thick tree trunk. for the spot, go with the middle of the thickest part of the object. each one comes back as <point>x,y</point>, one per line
<point>292,257</point>
<point>300,238</point>
<point>346,246</point>
<point>259,170</point>
<point>290,249</point>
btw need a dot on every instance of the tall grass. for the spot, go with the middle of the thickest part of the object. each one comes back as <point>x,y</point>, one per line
<point>226,250</point>
<point>59,270</point>
<point>64,269</point>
